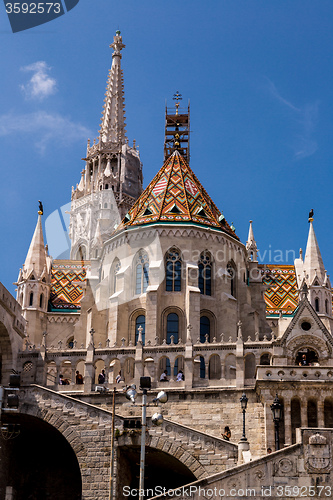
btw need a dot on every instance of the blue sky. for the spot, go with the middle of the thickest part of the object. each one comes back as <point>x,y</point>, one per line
<point>258,74</point>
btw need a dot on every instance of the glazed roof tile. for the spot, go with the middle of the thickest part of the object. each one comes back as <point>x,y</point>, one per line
<point>68,278</point>
<point>281,294</point>
<point>175,195</point>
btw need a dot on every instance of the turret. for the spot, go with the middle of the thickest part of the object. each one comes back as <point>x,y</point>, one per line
<point>34,283</point>
<point>251,245</point>
<point>312,272</point>
<point>112,179</point>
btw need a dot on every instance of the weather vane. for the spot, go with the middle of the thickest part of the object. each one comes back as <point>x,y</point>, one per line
<point>40,211</point>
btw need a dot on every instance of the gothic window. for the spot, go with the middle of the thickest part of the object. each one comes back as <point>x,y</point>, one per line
<point>173,270</point>
<point>142,273</point>
<point>204,329</point>
<point>113,275</point>
<point>205,274</point>
<point>326,306</point>
<point>265,359</point>
<point>70,343</point>
<point>41,300</point>
<point>172,328</point>
<point>140,322</point>
<point>31,299</point>
<point>106,186</point>
<point>81,253</point>
<point>231,269</point>
<point>317,304</point>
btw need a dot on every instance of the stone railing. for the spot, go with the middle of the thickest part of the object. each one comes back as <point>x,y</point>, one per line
<point>297,373</point>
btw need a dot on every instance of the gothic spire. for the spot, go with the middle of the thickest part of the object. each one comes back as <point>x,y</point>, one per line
<point>251,245</point>
<point>36,257</point>
<point>313,262</point>
<point>113,120</point>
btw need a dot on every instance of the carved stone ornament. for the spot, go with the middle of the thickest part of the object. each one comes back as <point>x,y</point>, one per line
<point>285,467</point>
<point>318,455</point>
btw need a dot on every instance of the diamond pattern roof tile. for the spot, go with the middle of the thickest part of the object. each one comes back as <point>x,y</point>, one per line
<point>175,195</point>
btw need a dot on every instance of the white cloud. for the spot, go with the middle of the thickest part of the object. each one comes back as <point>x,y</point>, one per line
<point>46,126</point>
<point>40,85</point>
<point>305,116</point>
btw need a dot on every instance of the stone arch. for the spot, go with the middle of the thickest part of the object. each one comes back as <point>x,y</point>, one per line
<point>73,438</point>
<point>249,366</point>
<point>212,319</point>
<point>164,456</point>
<point>114,369</point>
<point>99,365</point>
<point>321,348</point>
<point>128,369</point>
<point>163,364</point>
<point>184,456</point>
<point>265,358</point>
<point>179,364</point>
<point>214,367</point>
<point>6,354</point>
<point>230,366</point>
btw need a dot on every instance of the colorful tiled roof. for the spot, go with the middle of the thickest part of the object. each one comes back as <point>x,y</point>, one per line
<point>281,296</point>
<point>175,195</point>
<point>67,280</point>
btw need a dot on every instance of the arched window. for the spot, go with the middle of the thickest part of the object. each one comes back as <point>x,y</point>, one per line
<point>326,306</point>
<point>317,304</point>
<point>106,186</point>
<point>265,359</point>
<point>113,275</point>
<point>205,274</point>
<point>173,270</point>
<point>231,269</point>
<point>214,367</point>
<point>172,328</point>
<point>142,273</point>
<point>295,412</point>
<point>204,329</point>
<point>312,413</point>
<point>81,253</point>
<point>31,299</point>
<point>140,322</point>
<point>250,366</point>
<point>41,300</point>
<point>70,343</point>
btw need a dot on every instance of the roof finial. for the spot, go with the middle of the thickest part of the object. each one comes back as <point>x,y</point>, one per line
<point>311,215</point>
<point>117,44</point>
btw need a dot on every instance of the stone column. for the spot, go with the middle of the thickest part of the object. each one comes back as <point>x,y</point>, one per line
<point>304,412</point>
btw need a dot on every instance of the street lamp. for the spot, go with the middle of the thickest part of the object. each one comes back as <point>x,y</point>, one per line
<point>157,419</point>
<point>243,402</point>
<point>276,408</point>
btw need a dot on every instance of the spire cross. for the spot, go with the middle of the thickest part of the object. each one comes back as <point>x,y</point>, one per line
<point>177,97</point>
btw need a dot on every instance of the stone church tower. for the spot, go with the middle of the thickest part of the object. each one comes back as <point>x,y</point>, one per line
<point>112,178</point>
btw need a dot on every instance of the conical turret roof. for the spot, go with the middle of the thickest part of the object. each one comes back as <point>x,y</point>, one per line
<point>175,195</point>
<point>313,262</point>
<point>36,256</point>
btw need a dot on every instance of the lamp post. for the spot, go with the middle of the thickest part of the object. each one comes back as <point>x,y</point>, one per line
<point>276,408</point>
<point>243,402</point>
<point>157,419</point>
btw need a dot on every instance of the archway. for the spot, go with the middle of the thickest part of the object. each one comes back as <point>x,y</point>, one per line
<point>43,468</point>
<point>161,470</point>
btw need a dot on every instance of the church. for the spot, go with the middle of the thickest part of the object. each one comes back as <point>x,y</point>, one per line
<point>159,285</point>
